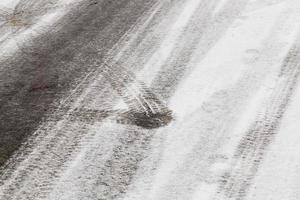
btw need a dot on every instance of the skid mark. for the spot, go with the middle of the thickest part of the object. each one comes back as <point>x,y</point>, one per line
<point>134,93</point>
<point>147,42</point>
<point>114,174</point>
<point>92,76</point>
<point>254,145</point>
<point>57,141</point>
<point>81,179</point>
<point>206,131</point>
<point>39,170</point>
<point>121,168</point>
<point>67,61</point>
<point>145,109</point>
<point>76,148</point>
<point>117,172</point>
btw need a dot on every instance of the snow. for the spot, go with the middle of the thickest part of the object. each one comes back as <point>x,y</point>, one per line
<point>169,43</point>
<point>230,79</point>
<point>279,174</point>
<point>8,3</point>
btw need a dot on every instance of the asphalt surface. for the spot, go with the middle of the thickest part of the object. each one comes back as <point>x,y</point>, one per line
<point>51,64</point>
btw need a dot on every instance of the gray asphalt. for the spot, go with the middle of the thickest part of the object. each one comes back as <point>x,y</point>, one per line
<point>51,64</point>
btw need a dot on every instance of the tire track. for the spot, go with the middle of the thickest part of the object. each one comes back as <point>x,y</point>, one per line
<point>145,109</point>
<point>46,167</point>
<point>208,129</point>
<point>203,32</point>
<point>109,170</point>
<point>142,140</point>
<point>253,146</point>
<point>146,43</point>
<point>52,64</point>
<point>127,154</point>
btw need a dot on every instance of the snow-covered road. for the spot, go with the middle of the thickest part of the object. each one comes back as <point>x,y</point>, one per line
<point>193,99</point>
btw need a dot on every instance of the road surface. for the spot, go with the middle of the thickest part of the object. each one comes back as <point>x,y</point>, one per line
<point>156,100</point>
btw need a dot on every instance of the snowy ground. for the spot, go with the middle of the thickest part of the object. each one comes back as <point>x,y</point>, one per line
<point>227,70</point>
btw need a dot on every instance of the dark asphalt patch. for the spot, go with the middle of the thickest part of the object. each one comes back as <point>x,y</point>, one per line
<point>51,64</point>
